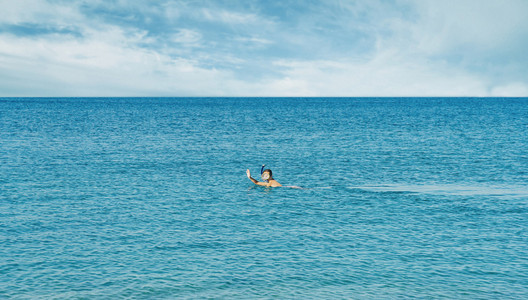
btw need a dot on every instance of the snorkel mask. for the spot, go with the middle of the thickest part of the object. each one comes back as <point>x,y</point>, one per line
<point>264,176</point>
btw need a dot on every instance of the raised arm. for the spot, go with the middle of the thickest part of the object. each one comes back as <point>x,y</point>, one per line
<point>253,179</point>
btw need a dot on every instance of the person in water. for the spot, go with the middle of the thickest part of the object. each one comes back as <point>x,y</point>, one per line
<point>266,176</point>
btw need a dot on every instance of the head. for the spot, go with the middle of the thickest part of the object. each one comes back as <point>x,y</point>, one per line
<point>266,174</point>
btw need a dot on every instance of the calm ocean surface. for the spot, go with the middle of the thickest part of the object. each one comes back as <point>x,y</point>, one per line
<point>111,198</point>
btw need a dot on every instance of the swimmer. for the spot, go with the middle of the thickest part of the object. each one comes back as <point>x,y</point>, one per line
<point>267,176</point>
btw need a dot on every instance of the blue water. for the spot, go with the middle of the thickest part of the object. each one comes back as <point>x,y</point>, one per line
<point>148,198</point>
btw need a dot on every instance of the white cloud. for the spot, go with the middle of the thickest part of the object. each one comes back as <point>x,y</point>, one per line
<point>254,40</point>
<point>187,37</point>
<point>35,11</point>
<point>514,89</point>
<point>103,64</point>
<point>229,17</point>
<point>412,56</point>
<point>482,25</point>
<point>378,77</point>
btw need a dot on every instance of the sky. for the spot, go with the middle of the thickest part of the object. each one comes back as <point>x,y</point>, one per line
<point>305,48</point>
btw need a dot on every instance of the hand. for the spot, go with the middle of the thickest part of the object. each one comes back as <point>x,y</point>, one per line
<point>248,173</point>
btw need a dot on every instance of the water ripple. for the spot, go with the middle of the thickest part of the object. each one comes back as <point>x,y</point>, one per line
<point>147,198</point>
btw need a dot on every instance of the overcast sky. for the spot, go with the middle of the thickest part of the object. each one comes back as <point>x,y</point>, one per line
<point>263,48</point>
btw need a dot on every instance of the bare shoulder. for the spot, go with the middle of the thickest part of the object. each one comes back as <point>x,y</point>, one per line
<point>274,183</point>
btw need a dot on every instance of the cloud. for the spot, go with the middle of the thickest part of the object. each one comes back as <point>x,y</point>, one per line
<point>95,67</point>
<point>33,11</point>
<point>289,48</point>
<point>482,25</point>
<point>229,17</point>
<point>187,37</point>
<point>514,89</point>
<point>378,77</point>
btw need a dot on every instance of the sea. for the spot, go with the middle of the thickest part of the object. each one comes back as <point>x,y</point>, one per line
<point>148,198</point>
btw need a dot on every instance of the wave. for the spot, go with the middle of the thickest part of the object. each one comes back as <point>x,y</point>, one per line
<point>450,189</point>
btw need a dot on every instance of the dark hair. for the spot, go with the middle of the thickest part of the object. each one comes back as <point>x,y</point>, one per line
<point>268,170</point>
